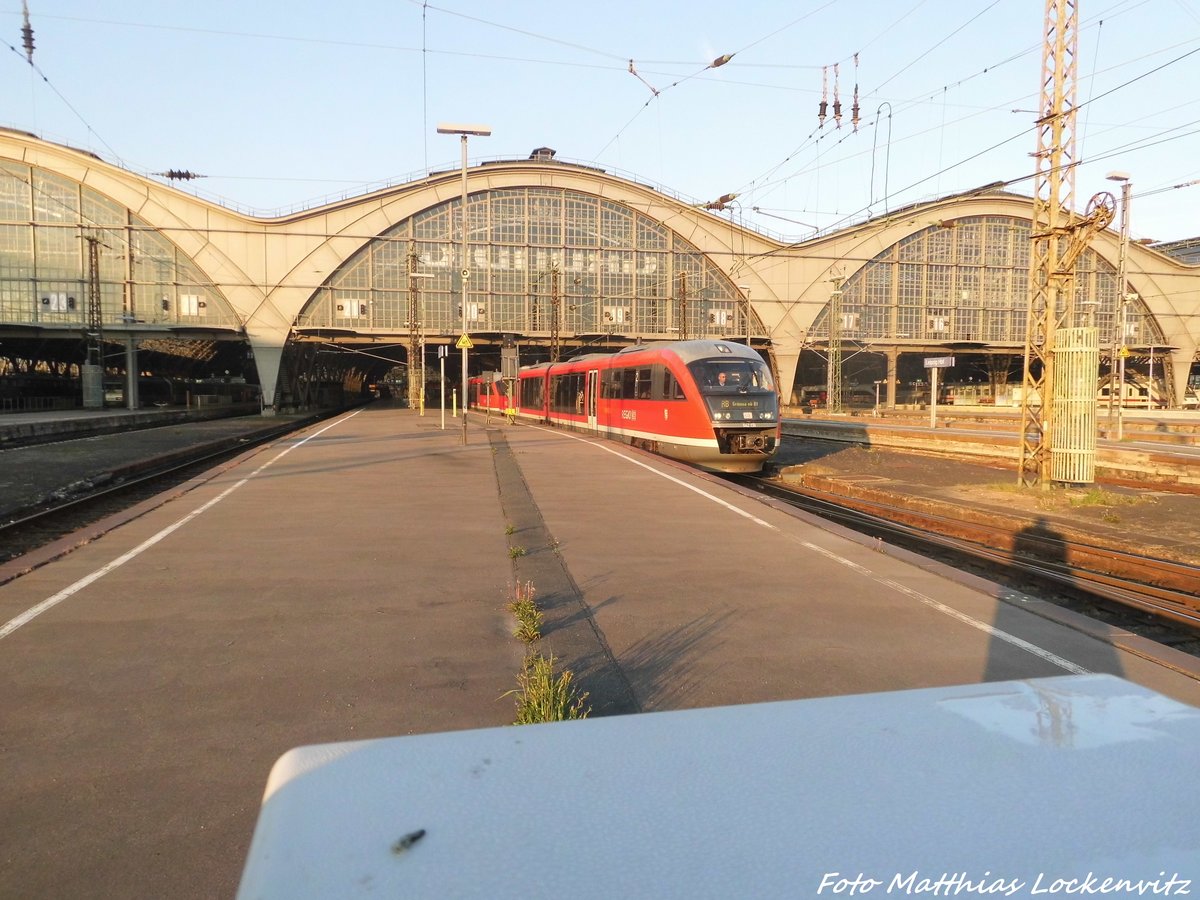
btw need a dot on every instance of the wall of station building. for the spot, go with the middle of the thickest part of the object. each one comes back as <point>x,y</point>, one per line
<point>615,259</point>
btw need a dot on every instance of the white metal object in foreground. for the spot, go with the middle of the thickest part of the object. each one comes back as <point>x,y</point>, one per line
<point>1007,789</point>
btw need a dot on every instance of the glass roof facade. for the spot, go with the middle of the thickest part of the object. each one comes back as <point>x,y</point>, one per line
<point>612,270</point>
<point>45,223</point>
<point>967,280</point>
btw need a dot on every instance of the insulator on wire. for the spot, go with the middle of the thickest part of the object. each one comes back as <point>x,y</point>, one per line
<point>854,109</point>
<point>823,107</point>
<point>27,33</point>
<point>178,175</point>
<point>837,100</point>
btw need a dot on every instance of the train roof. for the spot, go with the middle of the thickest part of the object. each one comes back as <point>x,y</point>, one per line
<point>687,351</point>
<point>690,351</point>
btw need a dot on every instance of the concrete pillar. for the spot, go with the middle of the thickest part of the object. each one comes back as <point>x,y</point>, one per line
<point>893,360</point>
<point>787,361</point>
<point>131,374</point>
<point>1181,368</point>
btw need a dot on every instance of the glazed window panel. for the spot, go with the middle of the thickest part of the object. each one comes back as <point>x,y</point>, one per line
<point>435,224</point>
<point>968,290</point>
<point>969,235</point>
<point>508,217</point>
<point>997,242</point>
<point>478,218</point>
<point>653,278</point>
<point>616,225</point>
<point>939,245</point>
<point>357,277</point>
<point>581,224</point>
<point>507,311</point>
<point>98,210</point>
<point>912,286</point>
<point>15,192</point>
<point>912,248</point>
<point>545,218</point>
<point>508,281</point>
<point>16,251</point>
<point>390,262</point>
<point>995,287</point>
<point>878,289</point>
<point>910,322</point>
<point>938,281</point>
<point>111,254</point>
<point>58,253</point>
<point>55,199</point>
<point>651,235</point>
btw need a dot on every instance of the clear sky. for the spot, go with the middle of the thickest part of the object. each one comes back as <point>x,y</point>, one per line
<point>282,105</point>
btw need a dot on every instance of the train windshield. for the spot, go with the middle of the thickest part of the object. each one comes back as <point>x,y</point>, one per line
<point>732,376</point>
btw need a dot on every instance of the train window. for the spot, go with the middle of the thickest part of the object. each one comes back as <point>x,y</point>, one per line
<point>628,384</point>
<point>672,389</point>
<point>610,387</point>
<point>567,393</point>
<point>533,393</point>
<point>734,374</point>
<point>642,383</point>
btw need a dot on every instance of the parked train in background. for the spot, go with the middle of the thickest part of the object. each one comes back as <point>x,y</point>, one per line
<point>712,404</point>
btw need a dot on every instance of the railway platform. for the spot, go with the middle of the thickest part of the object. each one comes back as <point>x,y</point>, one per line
<point>350,582</point>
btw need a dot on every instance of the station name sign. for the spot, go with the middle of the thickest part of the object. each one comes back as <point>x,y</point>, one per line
<point>939,362</point>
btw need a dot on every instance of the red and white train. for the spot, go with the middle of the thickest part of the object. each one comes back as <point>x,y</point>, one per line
<point>709,403</point>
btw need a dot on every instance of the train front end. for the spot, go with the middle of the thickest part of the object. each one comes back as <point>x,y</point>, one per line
<point>738,392</point>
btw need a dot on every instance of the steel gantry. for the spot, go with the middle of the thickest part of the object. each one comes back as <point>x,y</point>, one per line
<point>1058,237</point>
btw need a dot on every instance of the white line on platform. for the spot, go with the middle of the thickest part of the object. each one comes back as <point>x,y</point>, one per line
<point>50,602</point>
<point>603,444</point>
<point>954,613</point>
<point>862,570</point>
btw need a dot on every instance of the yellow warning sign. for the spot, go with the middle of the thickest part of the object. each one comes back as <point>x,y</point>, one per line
<point>464,343</point>
<point>1124,353</point>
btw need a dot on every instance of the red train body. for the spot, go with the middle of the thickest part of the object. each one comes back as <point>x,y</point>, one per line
<point>709,403</point>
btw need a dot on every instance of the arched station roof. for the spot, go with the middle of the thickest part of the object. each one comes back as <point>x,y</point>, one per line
<point>946,271</point>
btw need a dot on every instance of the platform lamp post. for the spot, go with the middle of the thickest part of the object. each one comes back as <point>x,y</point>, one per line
<point>1122,299</point>
<point>463,131</point>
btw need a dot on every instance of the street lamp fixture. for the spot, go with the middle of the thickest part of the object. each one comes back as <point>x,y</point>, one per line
<point>463,131</point>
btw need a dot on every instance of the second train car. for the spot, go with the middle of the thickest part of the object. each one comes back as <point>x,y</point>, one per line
<point>712,404</point>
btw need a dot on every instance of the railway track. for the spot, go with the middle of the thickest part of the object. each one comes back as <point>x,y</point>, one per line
<point>1153,597</point>
<point>87,510</point>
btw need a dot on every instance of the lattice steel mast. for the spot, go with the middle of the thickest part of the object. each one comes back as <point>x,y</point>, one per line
<point>555,312</point>
<point>1054,187</point>
<point>416,361</point>
<point>833,381</point>
<point>1057,239</point>
<point>683,306</point>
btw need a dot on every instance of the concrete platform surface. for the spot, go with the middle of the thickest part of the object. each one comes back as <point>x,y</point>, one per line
<point>350,582</point>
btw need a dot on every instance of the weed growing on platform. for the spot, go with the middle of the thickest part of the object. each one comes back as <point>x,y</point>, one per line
<point>529,617</point>
<point>510,529</point>
<point>542,697</point>
<point>514,552</point>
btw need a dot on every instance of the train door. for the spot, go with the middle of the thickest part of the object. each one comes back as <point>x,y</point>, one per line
<point>593,391</point>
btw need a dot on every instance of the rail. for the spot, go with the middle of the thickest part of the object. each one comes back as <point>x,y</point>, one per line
<point>1164,589</point>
